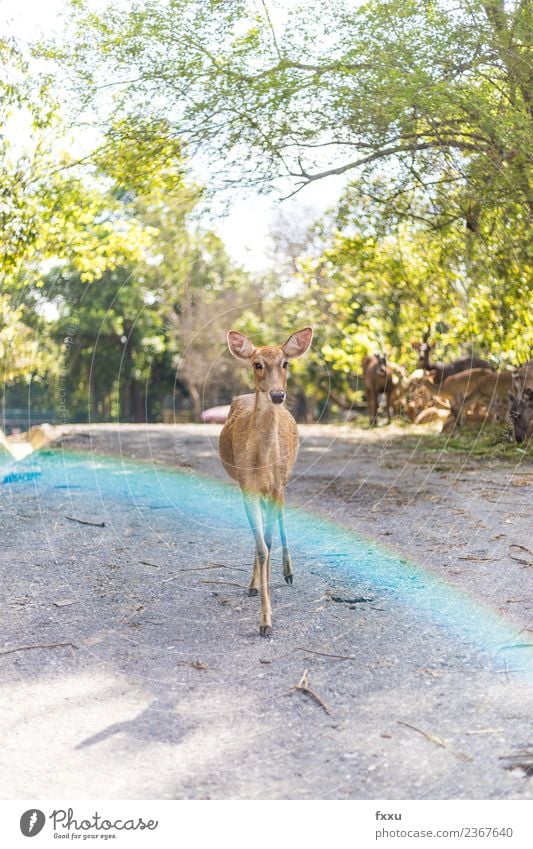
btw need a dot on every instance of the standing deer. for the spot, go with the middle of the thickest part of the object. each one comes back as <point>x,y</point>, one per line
<point>258,446</point>
<point>377,378</point>
<point>442,371</point>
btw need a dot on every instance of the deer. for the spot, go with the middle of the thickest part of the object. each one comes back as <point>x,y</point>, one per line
<point>521,413</point>
<point>418,395</point>
<point>523,377</point>
<point>377,378</point>
<point>474,385</point>
<point>442,371</point>
<point>258,446</point>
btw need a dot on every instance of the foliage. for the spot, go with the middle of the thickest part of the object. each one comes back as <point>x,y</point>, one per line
<point>442,97</point>
<point>424,110</point>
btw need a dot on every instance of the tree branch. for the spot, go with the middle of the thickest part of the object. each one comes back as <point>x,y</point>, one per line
<point>382,154</point>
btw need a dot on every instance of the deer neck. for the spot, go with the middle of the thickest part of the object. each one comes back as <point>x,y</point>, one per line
<point>266,416</point>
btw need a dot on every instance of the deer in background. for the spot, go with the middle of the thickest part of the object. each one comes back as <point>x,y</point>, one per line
<point>381,377</point>
<point>258,446</point>
<point>474,385</point>
<point>521,412</point>
<point>442,371</point>
<point>523,377</point>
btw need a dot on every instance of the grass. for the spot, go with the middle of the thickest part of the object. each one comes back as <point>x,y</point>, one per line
<point>488,441</point>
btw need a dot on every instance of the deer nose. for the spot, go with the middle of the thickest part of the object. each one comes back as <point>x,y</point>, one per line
<point>277,396</point>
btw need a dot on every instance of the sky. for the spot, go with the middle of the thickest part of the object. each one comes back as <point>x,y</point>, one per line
<point>245,225</point>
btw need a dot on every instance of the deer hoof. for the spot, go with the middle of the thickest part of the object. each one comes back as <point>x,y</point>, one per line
<point>288,579</point>
<point>265,630</point>
<point>253,591</point>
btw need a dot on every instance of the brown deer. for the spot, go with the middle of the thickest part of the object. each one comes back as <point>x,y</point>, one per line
<point>521,412</point>
<point>258,446</point>
<point>442,371</point>
<point>377,378</point>
<point>474,385</point>
<point>523,377</point>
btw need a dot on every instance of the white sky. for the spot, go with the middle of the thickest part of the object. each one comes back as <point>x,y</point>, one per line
<point>244,228</point>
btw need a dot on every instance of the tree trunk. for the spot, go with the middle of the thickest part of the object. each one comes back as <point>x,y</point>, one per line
<point>196,402</point>
<point>137,402</point>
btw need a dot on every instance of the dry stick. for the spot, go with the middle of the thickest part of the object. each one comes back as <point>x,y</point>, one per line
<point>180,571</point>
<point>520,559</point>
<point>83,522</point>
<point>524,753</point>
<point>303,686</point>
<point>437,740</point>
<point>38,646</point>
<point>473,557</point>
<point>487,731</point>
<point>224,584</point>
<point>199,569</point>
<point>324,654</point>
<point>235,568</point>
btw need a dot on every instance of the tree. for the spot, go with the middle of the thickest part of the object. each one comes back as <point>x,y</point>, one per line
<point>51,210</point>
<point>440,97</point>
<point>425,109</point>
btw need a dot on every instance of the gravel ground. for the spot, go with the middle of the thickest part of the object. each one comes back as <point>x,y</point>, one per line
<point>163,688</point>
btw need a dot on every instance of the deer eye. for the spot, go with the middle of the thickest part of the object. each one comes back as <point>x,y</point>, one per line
<point>285,364</point>
<point>258,366</point>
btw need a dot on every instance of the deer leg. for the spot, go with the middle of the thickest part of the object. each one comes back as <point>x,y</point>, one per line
<point>268,510</point>
<point>460,411</point>
<point>287,564</point>
<point>372,407</point>
<point>262,557</point>
<point>255,583</point>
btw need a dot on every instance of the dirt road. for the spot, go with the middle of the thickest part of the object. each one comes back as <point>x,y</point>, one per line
<point>411,612</point>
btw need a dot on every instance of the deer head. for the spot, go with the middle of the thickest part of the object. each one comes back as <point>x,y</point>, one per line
<point>521,413</point>
<point>270,363</point>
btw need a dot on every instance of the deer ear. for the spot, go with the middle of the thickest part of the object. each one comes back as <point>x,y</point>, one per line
<point>240,346</point>
<point>297,344</point>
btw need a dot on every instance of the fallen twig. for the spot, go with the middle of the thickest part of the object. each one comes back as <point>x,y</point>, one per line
<point>83,522</point>
<point>147,563</point>
<point>487,731</point>
<point>473,557</point>
<point>38,646</point>
<point>225,566</point>
<point>437,740</point>
<point>224,584</point>
<point>200,569</point>
<point>181,571</point>
<point>303,686</point>
<point>523,753</point>
<point>520,559</point>
<point>325,654</point>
